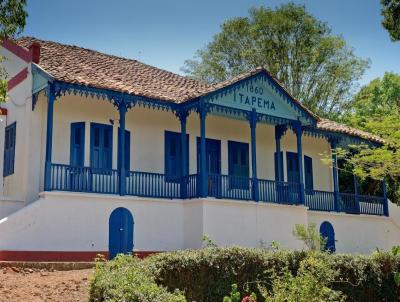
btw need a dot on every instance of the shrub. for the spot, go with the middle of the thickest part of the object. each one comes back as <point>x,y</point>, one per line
<point>127,279</point>
<point>206,275</point>
<point>312,282</point>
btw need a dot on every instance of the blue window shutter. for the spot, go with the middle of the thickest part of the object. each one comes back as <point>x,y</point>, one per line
<point>238,164</point>
<point>276,167</point>
<point>9,149</point>
<point>172,155</point>
<point>292,164</point>
<point>77,144</point>
<point>101,142</point>
<point>213,156</point>
<point>127,149</point>
<point>308,169</point>
<point>238,159</point>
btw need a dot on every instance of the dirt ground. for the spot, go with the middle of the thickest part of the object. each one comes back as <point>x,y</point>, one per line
<point>34,285</point>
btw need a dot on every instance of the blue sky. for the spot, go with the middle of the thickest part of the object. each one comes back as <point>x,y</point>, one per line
<point>164,33</point>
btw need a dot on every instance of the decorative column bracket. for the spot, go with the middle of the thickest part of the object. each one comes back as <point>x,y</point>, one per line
<point>280,131</point>
<point>253,119</point>
<point>182,116</point>
<point>122,109</point>
<point>297,128</point>
<point>51,96</point>
<point>203,110</point>
<point>334,142</point>
<point>385,199</point>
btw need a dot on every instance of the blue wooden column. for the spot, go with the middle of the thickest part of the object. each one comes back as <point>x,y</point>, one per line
<point>298,131</point>
<point>335,175</point>
<point>385,199</point>
<point>356,198</point>
<point>203,187</point>
<point>279,132</point>
<point>253,126</point>
<point>49,137</point>
<point>183,186</point>
<point>121,149</point>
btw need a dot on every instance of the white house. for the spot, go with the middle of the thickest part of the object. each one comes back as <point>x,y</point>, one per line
<point>105,154</point>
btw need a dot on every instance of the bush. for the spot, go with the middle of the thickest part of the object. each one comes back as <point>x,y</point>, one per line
<point>207,275</point>
<point>127,279</point>
<point>312,282</point>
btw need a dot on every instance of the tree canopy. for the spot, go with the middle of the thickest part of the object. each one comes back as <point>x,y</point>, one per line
<point>391,18</point>
<point>376,109</point>
<point>12,21</point>
<point>317,67</point>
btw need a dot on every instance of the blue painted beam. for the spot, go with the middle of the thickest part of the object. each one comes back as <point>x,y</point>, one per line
<point>183,119</point>
<point>253,126</point>
<point>49,137</point>
<point>335,175</point>
<point>203,171</point>
<point>298,131</point>
<point>121,149</point>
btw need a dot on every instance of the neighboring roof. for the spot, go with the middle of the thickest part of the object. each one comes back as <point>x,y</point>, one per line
<point>328,125</point>
<point>77,65</point>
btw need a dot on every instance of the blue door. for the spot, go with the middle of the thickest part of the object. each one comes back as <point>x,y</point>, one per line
<point>292,164</point>
<point>328,234</point>
<point>120,232</point>
<point>213,165</point>
<point>77,179</point>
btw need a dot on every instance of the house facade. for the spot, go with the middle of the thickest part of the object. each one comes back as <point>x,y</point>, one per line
<point>105,155</point>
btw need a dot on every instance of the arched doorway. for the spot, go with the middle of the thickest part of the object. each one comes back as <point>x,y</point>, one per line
<point>327,232</point>
<point>120,232</point>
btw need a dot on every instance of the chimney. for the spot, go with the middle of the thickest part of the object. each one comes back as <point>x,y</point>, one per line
<point>34,49</point>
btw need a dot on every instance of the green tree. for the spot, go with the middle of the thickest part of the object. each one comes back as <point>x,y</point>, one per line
<point>391,18</point>
<point>376,109</point>
<point>12,21</point>
<point>318,68</point>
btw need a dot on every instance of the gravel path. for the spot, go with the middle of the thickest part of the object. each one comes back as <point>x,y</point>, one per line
<point>18,284</point>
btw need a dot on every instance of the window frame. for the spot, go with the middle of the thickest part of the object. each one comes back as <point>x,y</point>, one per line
<point>308,190</point>
<point>109,162</point>
<point>237,183</point>
<point>9,151</point>
<point>82,126</point>
<point>168,135</point>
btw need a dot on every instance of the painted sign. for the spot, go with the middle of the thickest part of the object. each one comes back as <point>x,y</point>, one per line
<point>258,94</point>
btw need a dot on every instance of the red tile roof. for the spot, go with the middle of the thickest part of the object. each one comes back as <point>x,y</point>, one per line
<point>77,65</point>
<point>83,66</point>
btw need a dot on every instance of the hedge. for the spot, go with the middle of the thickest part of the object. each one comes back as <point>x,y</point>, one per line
<point>127,279</point>
<point>206,275</point>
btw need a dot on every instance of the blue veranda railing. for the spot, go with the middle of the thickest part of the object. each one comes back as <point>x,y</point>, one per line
<point>145,184</point>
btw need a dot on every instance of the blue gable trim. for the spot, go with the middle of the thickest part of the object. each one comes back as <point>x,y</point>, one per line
<point>116,98</point>
<point>262,77</point>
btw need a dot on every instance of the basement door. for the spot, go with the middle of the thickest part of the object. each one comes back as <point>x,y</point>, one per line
<point>327,232</point>
<point>120,232</point>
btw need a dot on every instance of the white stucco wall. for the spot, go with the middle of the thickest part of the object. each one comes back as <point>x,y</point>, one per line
<point>359,233</point>
<point>79,222</point>
<point>19,104</point>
